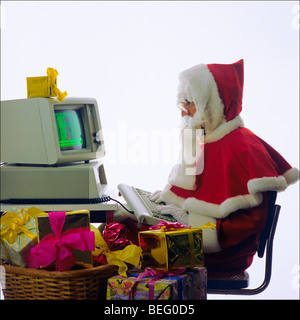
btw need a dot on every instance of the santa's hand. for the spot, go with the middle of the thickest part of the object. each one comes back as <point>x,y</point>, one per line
<point>178,213</point>
<point>155,197</point>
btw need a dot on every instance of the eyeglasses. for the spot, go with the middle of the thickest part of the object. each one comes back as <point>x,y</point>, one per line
<point>182,108</point>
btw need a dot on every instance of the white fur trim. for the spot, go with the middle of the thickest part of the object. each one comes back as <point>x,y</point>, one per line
<point>225,208</point>
<point>291,176</point>
<point>253,199</point>
<point>195,84</point>
<point>224,129</point>
<point>198,85</point>
<point>266,184</point>
<point>279,183</point>
<point>210,236</point>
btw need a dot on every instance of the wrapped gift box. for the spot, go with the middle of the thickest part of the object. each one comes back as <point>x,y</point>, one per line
<point>184,286</point>
<point>39,87</point>
<point>18,235</point>
<point>199,282</point>
<point>126,288</point>
<point>184,283</point>
<point>74,221</point>
<point>164,250</point>
<point>45,86</point>
<point>192,283</point>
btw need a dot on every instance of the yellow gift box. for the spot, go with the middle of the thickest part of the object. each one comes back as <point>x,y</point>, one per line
<point>45,86</point>
<point>18,235</point>
<point>165,249</point>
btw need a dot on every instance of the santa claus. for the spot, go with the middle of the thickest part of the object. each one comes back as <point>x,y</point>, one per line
<point>234,168</point>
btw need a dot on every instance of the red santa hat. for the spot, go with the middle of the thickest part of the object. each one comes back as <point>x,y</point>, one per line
<point>230,82</point>
<point>216,90</point>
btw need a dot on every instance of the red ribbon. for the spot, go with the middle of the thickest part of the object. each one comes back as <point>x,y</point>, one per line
<point>158,274</point>
<point>58,246</point>
<point>169,226</point>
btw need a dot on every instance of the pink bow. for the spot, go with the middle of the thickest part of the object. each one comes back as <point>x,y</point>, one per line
<point>58,246</point>
<point>169,226</point>
<point>158,274</point>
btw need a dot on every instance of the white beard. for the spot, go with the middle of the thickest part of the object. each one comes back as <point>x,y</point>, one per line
<point>183,174</point>
<point>192,122</point>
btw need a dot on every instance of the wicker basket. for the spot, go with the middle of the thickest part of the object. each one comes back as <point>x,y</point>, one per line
<point>32,284</point>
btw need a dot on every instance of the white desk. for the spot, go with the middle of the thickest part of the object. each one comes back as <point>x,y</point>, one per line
<point>102,212</point>
<point>99,212</point>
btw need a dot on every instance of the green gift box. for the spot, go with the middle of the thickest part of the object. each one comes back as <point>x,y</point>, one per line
<point>18,235</point>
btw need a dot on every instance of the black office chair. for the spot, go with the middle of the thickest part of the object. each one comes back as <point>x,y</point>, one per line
<point>237,285</point>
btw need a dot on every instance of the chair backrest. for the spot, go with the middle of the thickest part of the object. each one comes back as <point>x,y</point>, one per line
<point>265,244</point>
<point>265,235</point>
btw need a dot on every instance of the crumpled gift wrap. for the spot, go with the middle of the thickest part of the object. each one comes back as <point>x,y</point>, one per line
<point>18,235</point>
<point>45,86</point>
<point>130,254</point>
<point>64,237</point>
<point>172,245</point>
<point>115,235</point>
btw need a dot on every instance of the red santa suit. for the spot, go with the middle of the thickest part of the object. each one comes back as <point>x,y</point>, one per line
<point>238,169</point>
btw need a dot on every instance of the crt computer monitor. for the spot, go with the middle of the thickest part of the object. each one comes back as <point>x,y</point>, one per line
<point>45,131</point>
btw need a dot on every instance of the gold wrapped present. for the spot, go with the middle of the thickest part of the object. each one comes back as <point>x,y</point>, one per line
<point>172,245</point>
<point>18,235</point>
<point>45,86</point>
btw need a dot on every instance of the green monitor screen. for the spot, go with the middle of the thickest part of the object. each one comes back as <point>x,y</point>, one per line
<point>70,129</point>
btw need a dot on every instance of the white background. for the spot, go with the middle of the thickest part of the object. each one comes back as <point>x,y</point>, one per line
<point>128,56</point>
